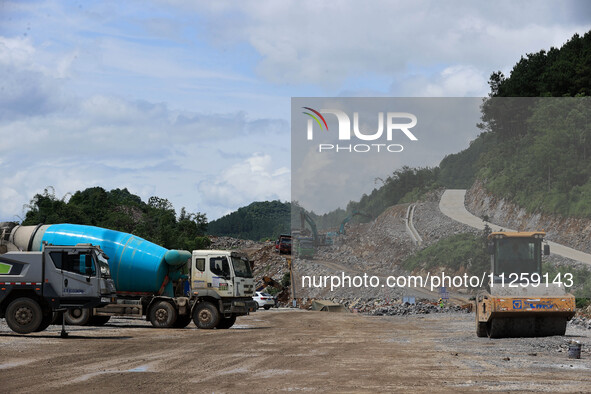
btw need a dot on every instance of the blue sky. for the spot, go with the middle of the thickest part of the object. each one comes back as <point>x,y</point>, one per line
<point>190,100</point>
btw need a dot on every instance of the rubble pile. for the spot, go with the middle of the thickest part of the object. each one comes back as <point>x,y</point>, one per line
<point>227,243</point>
<point>377,248</point>
<point>419,308</point>
<point>268,262</point>
<point>581,321</point>
<point>394,307</point>
<point>582,318</point>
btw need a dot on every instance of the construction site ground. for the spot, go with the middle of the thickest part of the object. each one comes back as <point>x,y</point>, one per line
<point>292,350</point>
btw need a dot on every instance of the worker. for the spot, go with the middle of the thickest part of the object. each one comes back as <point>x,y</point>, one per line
<point>441,302</point>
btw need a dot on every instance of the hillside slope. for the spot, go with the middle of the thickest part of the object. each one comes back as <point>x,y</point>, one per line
<point>266,219</point>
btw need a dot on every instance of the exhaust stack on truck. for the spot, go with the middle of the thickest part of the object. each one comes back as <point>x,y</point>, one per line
<point>169,287</point>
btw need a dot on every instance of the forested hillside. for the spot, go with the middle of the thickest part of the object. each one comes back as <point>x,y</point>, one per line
<point>535,151</point>
<point>120,210</point>
<point>259,220</point>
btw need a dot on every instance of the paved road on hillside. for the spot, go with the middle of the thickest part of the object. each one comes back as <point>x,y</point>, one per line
<point>452,205</point>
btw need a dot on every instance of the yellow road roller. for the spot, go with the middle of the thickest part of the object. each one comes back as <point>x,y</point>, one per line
<point>521,300</point>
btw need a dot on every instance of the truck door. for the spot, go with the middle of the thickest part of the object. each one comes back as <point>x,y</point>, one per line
<point>73,274</point>
<point>221,276</point>
<point>243,282</point>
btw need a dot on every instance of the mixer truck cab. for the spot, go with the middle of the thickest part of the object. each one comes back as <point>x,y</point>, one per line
<point>35,284</point>
<point>223,285</point>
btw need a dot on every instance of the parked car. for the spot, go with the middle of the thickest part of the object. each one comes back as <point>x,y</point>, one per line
<point>264,300</point>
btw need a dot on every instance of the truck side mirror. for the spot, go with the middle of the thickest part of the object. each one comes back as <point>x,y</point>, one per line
<point>491,248</point>
<point>546,250</point>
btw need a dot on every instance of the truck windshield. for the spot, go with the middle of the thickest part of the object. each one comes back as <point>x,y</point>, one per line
<point>517,255</point>
<point>103,266</point>
<point>241,267</point>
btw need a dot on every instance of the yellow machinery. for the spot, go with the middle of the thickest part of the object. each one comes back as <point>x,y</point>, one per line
<point>522,301</point>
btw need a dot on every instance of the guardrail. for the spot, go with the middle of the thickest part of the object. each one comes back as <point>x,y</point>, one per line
<point>410,228</point>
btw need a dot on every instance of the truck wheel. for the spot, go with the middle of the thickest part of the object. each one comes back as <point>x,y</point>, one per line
<point>24,315</point>
<point>163,315</point>
<point>182,321</point>
<point>206,316</point>
<point>267,307</point>
<point>99,320</point>
<point>45,321</point>
<point>77,316</point>
<point>226,322</point>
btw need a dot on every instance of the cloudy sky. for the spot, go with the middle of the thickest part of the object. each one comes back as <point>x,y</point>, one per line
<point>190,100</point>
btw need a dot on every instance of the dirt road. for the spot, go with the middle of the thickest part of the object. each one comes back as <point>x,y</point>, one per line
<point>452,205</point>
<point>291,350</point>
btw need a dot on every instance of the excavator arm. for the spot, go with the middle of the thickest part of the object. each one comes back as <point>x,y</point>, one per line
<point>349,218</point>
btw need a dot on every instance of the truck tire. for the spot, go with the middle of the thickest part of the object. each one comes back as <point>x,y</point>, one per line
<point>163,315</point>
<point>206,316</point>
<point>99,320</point>
<point>182,321</point>
<point>77,316</point>
<point>45,321</point>
<point>226,322</point>
<point>24,315</point>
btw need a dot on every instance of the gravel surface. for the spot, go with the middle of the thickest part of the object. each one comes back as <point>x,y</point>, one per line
<point>293,350</point>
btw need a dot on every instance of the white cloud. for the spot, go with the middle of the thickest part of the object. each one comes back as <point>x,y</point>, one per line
<point>114,143</point>
<point>306,42</point>
<point>254,179</point>
<point>72,142</point>
<point>16,51</point>
<point>453,81</point>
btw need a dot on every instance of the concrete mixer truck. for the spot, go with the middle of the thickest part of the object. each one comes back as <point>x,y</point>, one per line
<point>168,287</point>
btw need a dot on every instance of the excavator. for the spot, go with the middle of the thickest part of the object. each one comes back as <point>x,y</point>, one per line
<point>521,301</point>
<point>318,239</point>
<point>349,218</point>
